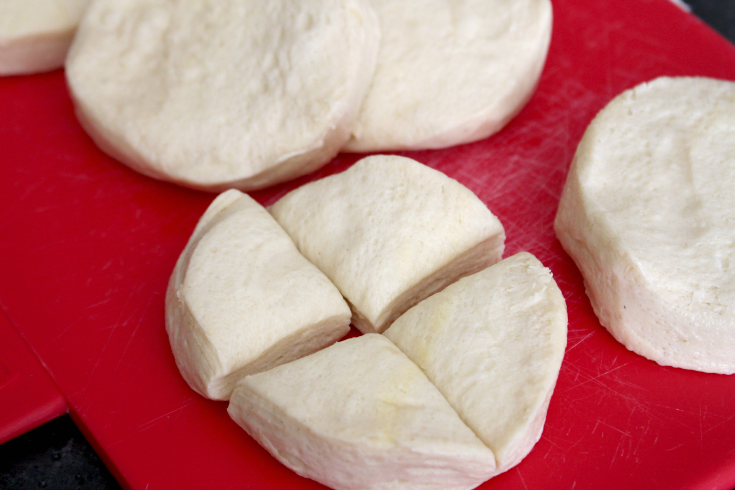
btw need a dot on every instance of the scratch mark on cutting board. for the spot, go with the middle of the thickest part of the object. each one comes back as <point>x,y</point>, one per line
<point>153,297</point>
<point>600,422</point>
<point>118,322</point>
<point>581,340</point>
<point>713,427</point>
<point>596,378</point>
<point>521,477</point>
<point>152,423</point>
<point>563,450</point>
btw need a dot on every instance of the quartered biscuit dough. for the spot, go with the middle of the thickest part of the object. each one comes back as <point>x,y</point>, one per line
<point>648,215</point>
<point>242,299</point>
<point>360,415</point>
<point>451,71</point>
<point>389,232</point>
<point>493,344</point>
<point>35,34</point>
<point>227,94</point>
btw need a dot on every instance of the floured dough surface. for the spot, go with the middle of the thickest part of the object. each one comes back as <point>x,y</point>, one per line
<point>648,215</point>
<point>242,299</point>
<point>35,34</point>
<point>389,232</point>
<point>360,415</point>
<point>451,71</point>
<point>215,95</point>
<point>493,344</point>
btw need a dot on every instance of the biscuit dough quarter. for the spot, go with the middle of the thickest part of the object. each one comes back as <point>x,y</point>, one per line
<point>648,215</point>
<point>492,343</point>
<point>389,232</point>
<point>360,416</point>
<point>35,35</point>
<point>222,94</point>
<point>242,299</point>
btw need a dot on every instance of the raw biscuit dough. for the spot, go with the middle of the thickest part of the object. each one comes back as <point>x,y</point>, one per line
<point>389,232</point>
<point>35,34</point>
<point>360,415</point>
<point>451,71</point>
<point>242,299</point>
<point>227,94</point>
<point>492,343</point>
<point>648,215</point>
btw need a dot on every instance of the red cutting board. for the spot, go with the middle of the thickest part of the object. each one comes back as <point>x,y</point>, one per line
<point>87,246</point>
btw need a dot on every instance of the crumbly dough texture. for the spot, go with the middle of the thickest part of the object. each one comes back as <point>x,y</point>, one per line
<point>35,35</point>
<point>451,71</point>
<point>227,94</point>
<point>242,299</point>
<point>389,232</point>
<point>648,215</point>
<point>360,415</point>
<point>492,343</point>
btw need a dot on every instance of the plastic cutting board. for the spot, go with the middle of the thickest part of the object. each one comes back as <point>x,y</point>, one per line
<point>87,246</point>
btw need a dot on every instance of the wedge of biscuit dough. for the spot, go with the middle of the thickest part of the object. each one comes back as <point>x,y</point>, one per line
<point>648,215</point>
<point>226,94</point>
<point>451,71</point>
<point>389,232</point>
<point>35,35</point>
<point>492,343</point>
<point>242,299</point>
<point>358,416</point>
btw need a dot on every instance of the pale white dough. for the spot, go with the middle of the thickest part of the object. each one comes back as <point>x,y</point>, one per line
<point>226,94</point>
<point>451,71</point>
<point>492,343</point>
<point>389,232</point>
<point>648,215</point>
<point>242,299</point>
<point>35,34</point>
<point>360,415</point>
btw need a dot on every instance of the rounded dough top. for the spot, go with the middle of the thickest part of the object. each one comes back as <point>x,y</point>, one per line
<point>657,166</point>
<point>361,415</point>
<point>492,343</point>
<point>450,72</point>
<point>247,285</point>
<point>218,94</point>
<point>382,226</point>
<point>20,18</point>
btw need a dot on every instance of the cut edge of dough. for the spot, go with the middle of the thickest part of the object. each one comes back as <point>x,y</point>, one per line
<point>297,345</point>
<point>250,411</point>
<point>190,345</point>
<point>530,433</point>
<point>478,257</point>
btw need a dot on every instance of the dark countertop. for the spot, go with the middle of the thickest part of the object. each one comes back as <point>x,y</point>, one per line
<point>57,456</point>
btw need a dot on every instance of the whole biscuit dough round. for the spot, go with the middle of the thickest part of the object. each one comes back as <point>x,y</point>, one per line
<point>35,34</point>
<point>216,95</point>
<point>648,215</point>
<point>451,72</point>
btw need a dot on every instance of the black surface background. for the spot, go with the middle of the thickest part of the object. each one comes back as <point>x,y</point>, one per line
<point>56,455</point>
